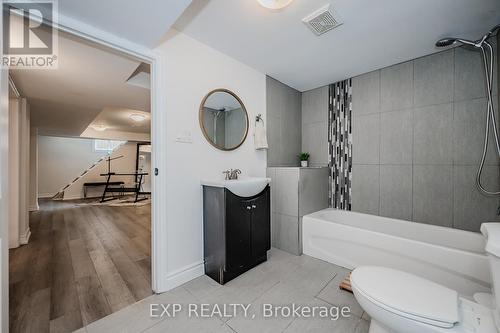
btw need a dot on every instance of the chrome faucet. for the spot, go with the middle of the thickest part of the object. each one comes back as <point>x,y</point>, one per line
<point>232,174</point>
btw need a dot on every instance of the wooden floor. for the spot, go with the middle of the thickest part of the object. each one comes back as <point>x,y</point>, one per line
<point>82,263</point>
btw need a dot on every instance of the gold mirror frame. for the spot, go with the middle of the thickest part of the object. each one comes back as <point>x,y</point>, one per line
<point>202,124</point>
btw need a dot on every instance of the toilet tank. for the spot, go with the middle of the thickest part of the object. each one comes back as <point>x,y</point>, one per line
<point>491,232</point>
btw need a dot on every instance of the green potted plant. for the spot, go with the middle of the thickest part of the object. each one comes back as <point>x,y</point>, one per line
<point>304,159</point>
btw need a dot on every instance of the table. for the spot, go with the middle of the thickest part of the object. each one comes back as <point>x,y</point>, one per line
<point>136,189</point>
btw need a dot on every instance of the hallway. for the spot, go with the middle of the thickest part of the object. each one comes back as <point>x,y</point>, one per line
<point>82,263</point>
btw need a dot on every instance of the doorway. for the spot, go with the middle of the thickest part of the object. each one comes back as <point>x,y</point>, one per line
<point>89,253</point>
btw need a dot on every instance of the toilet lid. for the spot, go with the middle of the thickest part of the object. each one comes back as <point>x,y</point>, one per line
<point>407,295</point>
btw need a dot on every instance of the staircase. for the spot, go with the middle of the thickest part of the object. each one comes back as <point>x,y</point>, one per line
<point>60,195</point>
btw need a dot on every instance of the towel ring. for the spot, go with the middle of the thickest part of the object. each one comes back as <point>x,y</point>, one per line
<point>259,118</point>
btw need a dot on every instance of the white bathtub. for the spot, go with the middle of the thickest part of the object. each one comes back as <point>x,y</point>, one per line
<point>451,257</point>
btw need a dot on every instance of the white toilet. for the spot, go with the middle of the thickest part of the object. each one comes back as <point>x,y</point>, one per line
<point>399,302</point>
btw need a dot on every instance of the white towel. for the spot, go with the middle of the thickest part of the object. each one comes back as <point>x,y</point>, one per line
<point>260,136</point>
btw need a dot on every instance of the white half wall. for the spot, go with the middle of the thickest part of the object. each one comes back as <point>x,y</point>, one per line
<point>190,70</point>
<point>60,160</point>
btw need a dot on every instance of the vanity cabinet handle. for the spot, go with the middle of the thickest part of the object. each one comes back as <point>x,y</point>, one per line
<point>253,206</point>
<point>248,207</point>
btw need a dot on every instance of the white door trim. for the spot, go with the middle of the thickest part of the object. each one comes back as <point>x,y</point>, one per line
<point>4,195</point>
<point>159,223</point>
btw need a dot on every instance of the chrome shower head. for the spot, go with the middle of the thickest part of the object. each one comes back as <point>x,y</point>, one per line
<point>446,42</point>
<point>493,30</point>
<point>443,42</point>
<point>450,41</point>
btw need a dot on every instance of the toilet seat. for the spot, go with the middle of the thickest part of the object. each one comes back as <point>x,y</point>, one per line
<point>407,295</point>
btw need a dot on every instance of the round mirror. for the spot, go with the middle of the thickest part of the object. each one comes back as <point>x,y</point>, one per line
<point>223,119</point>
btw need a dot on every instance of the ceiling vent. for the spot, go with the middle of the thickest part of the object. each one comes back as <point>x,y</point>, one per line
<point>322,20</point>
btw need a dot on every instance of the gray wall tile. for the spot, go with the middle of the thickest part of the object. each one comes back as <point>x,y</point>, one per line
<point>315,125</point>
<point>294,190</point>
<point>424,117</point>
<point>275,142</point>
<point>468,133</point>
<point>366,139</point>
<point>275,97</point>
<point>315,105</point>
<point>271,173</point>
<point>313,190</point>
<point>432,135</point>
<point>433,79</point>
<point>469,75</point>
<point>287,191</point>
<point>290,131</point>
<point>284,119</point>
<point>396,137</point>
<point>366,88</point>
<point>315,142</point>
<point>396,90</point>
<point>365,189</point>
<point>433,194</point>
<point>471,208</point>
<point>286,233</point>
<point>396,191</point>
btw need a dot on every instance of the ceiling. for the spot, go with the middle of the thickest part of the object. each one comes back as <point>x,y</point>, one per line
<point>88,79</point>
<point>118,119</point>
<point>143,22</point>
<point>374,34</point>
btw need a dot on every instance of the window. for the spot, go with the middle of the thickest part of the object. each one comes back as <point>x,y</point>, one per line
<point>106,145</point>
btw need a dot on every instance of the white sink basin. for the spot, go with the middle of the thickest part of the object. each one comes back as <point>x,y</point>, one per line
<point>243,187</point>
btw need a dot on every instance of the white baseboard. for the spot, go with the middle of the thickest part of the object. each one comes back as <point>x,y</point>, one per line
<point>181,276</point>
<point>24,238</point>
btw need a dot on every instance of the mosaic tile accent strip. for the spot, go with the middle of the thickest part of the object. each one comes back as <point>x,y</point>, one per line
<point>340,143</point>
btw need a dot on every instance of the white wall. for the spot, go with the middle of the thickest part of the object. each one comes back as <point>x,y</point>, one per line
<point>60,160</point>
<point>126,164</point>
<point>190,70</point>
<point>33,179</point>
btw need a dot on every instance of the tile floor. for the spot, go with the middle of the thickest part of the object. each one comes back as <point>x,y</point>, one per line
<point>282,280</point>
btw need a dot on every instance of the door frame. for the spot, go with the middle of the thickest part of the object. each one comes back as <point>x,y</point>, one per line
<point>159,273</point>
<point>4,186</point>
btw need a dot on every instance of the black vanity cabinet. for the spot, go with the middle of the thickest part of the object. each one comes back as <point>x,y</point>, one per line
<point>236,230</point>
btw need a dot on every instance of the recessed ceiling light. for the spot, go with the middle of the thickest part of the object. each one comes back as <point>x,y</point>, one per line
<point>137,117</point>
<point>274,4</point>
<point>99,127</point>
